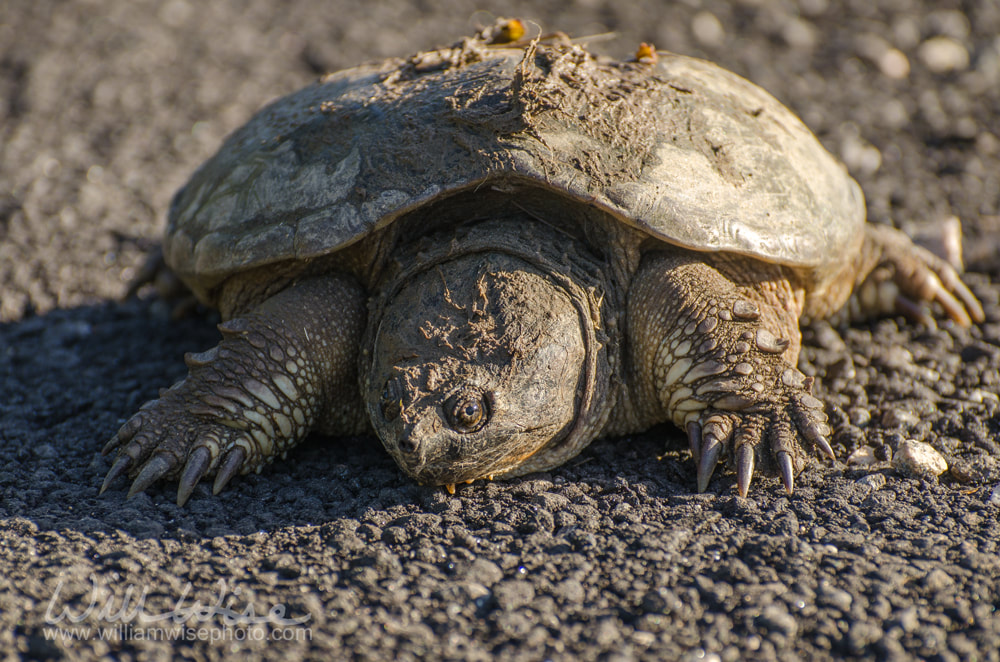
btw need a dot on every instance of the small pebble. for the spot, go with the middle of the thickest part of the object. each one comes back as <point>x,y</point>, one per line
<point>828,338</point>
<point>899,417</point>
<point>862,457</point>
<point>938,580</point>
<point>995,496</point>
<point>875,482</point>
<point>943,54</point>
<point>832,596</point>
<point>777,619</point>
<point>915,458</point>
<point>894,64</point>
<point>859,416</point>
<point>707,29</point>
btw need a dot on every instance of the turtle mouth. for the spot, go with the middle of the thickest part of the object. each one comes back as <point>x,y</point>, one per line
<point>466,468</point>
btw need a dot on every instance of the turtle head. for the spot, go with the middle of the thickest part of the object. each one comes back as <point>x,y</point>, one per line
<point>475,366</point>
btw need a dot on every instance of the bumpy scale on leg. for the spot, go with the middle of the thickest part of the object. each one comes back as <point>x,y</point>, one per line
<point>281,371</point>
<point>714,343</point>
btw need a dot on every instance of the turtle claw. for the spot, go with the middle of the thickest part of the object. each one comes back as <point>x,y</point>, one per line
<point>744,468</point>
<point>789,421</point>
<point>155,469</point>
<point>114,443</point>
<point>710,453</point>
<point>694,440</point>
<point>921,278</point>
<point>787,470</point>
<point>173,437</point>
<point>824,446</point>
<point>198,464</point>
<point>118,469</point>
<point>230,466</point>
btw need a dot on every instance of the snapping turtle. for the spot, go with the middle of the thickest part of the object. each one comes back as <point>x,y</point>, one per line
<point>494,253</point>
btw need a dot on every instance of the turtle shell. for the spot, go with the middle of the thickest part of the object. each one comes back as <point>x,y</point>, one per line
<point>680,148</point>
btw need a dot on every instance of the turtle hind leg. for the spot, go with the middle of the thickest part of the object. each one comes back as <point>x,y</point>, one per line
<point>893,275</point>
<point>282,370</point>
<point>714,341</point>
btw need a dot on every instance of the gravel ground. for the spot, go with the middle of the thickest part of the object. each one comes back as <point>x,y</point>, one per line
<point>108,106</point>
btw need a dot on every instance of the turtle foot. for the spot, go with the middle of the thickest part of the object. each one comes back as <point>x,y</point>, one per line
<point>772,434</point>
<point>238,408</point>
<point>286,368</point>
<point>179,436</point>
<point>909,279</point>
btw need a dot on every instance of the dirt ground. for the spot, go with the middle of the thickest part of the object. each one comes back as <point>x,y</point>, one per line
<point>106,108</point>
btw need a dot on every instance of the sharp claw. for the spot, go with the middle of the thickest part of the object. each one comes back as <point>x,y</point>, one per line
<point>231,465</point>
<point>744,468</point>
<point>120,466</point>
<point>824,446</point>
<point>124,434</point>
<point>787,472</point>
<point>971,302</point>
<point>197,466</point>
<point>709,458</point>
<point>954,308</point>
<point>960,293</point>
<point>694,440</point>
<point>151,472</point>
<point>111,445</point>
<point>816,433</point>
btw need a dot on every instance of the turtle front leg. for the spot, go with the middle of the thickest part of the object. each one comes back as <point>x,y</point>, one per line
<point>714,345</point>
<point>281,371</point>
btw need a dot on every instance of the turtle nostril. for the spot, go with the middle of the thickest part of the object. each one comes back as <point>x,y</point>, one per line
<point>409,445</point>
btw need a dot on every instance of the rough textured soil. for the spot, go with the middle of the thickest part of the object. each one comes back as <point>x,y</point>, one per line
<point>106,107</point>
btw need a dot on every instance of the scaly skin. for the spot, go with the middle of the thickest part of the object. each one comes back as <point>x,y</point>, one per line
<point>714,345</point>
<point>710,343</point>
<point>280,372</point>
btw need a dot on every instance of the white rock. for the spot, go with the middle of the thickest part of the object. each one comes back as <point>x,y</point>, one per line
<point>874,482</point>
<point>893,63</point>
<point>943,54</point>
<point>707,29</point>
<point>915,458</point>
<point>863,457</point>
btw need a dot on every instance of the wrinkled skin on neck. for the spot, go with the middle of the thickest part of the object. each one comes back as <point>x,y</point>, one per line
<point>475,366</point>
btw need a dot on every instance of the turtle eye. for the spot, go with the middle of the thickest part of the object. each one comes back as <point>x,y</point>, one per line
<point>467,412</point>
